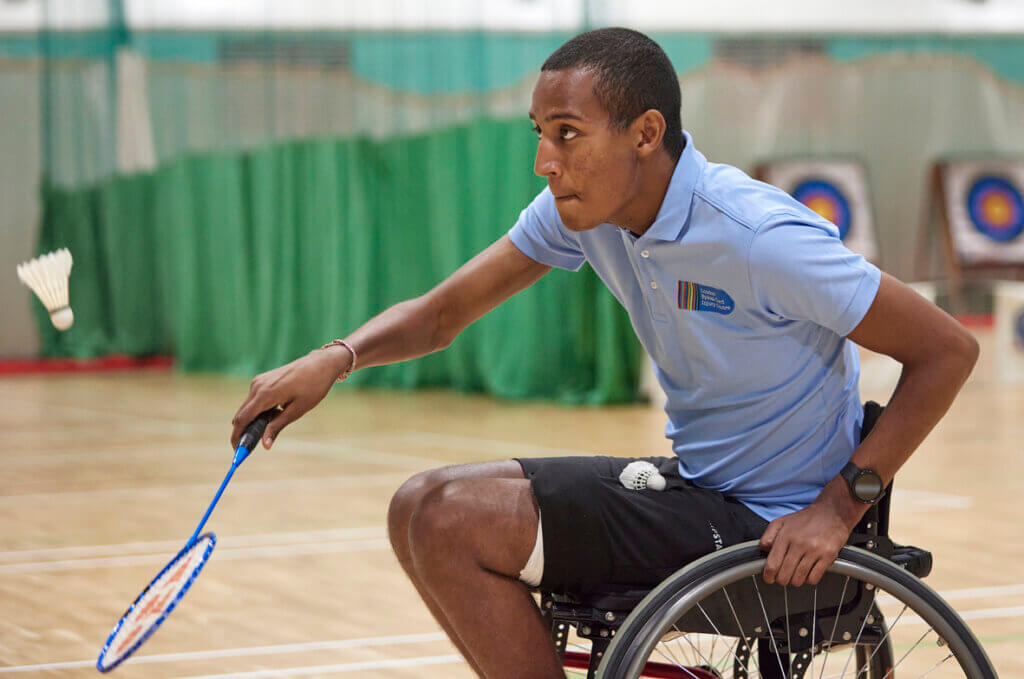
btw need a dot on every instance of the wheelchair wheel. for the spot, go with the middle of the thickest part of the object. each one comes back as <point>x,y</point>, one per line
<point>866,619</point>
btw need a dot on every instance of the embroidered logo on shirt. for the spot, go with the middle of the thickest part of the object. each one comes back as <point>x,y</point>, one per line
<point>696,297</point>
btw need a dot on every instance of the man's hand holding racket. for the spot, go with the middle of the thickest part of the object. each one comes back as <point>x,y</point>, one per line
<point>296,387</point>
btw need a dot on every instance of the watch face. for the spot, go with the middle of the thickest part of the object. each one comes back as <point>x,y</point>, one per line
<point>867,485</point>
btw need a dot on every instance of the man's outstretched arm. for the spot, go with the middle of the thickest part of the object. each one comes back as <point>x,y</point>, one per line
<point>937,354</point>
<point>406,330</point>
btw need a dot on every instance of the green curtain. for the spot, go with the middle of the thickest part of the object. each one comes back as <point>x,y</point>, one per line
<point>239,262</point>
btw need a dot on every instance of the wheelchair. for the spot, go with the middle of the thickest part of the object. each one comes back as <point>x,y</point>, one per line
<point>870,617</point>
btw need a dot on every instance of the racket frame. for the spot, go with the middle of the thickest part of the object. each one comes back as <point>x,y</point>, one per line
<point>167,611</point>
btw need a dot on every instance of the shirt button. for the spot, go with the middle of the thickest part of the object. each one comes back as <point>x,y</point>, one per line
<point>645,254</point>
<point>654,285</point>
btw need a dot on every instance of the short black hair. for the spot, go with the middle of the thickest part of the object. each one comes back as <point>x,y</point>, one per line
<point>633,75</point>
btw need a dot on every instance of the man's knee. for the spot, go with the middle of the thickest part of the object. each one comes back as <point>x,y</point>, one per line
<point>404,502</point>
<point>408,497</point>
<point>490,522</point>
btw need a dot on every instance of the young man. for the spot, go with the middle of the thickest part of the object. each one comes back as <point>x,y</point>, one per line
<point>744,300</point>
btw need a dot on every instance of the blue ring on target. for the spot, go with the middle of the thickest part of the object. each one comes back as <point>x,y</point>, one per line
<point>825,198</point>
<point>996,208</point>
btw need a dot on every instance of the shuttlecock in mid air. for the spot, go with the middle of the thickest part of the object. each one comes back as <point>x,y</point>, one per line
<point>47,275</point>
<point>640,474</point>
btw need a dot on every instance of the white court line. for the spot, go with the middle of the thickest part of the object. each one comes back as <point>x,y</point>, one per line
<point>971,593</point>
<point>905,498</point>
<point>341,480</point>
<point>330,448</point>
<point>230,554</point>
<point>510,448</point>
<point>979,614</point>
<point>337,669</point>
<point>244,652</point>
<point>290,538</point>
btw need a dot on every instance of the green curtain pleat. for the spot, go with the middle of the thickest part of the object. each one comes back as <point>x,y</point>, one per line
<point>239,262</point>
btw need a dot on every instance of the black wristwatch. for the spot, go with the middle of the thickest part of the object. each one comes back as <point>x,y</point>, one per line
<point>865,484</point>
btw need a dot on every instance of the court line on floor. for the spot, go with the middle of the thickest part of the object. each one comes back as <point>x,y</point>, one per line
<point>337,669</point>
<point>976,614</point>
<point>162,546</point>
<point>510,448</point>
<point>969,593</point>
<point>229,554</point>
<point>340,480</point>
<point>202,445</point>
<point>308,647</point>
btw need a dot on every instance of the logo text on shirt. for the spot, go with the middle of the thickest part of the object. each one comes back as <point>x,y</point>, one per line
<point>697,297</point>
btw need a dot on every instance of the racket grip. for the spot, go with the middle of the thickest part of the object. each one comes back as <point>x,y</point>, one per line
<point>254,432</point>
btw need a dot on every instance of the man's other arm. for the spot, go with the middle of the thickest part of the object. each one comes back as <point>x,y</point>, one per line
<point>937,354</point>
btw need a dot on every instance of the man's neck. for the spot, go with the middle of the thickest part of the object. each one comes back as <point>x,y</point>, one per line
<point>653,185</point>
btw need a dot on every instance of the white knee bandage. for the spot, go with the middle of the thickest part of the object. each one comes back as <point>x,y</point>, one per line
<point>534,568</point>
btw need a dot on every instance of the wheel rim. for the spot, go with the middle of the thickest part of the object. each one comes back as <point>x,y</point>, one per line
<point>913,620</point>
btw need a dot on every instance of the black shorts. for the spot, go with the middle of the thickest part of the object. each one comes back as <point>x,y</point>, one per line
<point>598,532</point>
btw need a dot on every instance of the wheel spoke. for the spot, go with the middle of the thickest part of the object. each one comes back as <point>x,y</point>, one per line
<point>835,625</point>
<point>768,625</point>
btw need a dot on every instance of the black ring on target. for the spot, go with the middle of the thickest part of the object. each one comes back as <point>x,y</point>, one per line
<point>996,208</point>
<point>825,198</point>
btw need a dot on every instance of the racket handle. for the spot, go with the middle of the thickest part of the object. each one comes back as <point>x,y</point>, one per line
<point>254,432</point>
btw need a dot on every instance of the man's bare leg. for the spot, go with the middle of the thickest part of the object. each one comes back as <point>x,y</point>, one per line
<point>469,538</point>
<point>405,502</point>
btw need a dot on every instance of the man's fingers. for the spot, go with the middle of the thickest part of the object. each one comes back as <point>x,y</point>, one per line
<point>802,569</point>
<point>291,413</point>
<point>253,406</point>
<point>818,572</point>
<point>768,538</point>
<point>238,422</point>
<point>775,559</point>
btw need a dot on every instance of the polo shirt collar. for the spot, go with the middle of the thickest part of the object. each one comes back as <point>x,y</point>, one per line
<point>675,208</point>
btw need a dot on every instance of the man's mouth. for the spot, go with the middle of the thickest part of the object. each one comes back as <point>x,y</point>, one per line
<point>567,197</point>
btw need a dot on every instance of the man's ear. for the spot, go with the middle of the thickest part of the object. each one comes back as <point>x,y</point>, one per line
<point>650,132</point>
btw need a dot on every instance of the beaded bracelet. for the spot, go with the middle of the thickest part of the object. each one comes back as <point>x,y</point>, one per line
<point>348,371</point>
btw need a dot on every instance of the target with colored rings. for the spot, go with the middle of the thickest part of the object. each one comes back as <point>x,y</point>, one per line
<point>827,200</point>
<point>996,208</point>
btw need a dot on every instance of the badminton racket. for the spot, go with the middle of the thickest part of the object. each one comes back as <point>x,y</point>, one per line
<point>161,596</point>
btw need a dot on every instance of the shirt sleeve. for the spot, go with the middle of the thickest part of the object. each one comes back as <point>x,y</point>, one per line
<point>540,235</point>
<point>800,270</point>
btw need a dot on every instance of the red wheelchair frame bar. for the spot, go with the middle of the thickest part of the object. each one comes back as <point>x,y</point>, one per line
<point>655,670</point>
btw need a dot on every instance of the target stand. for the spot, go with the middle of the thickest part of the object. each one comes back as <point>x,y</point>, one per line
<point>974,212</point>
<point>834,187</point>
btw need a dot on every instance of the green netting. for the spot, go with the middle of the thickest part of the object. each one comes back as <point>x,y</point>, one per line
<point>242,261</point>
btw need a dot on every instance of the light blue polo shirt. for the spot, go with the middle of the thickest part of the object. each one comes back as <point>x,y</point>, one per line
<point>742,297</point>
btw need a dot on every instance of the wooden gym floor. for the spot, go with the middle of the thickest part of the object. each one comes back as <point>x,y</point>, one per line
<point>105,477</point>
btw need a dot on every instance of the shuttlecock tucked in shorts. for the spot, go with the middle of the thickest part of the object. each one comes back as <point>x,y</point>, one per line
<point>639,475</point>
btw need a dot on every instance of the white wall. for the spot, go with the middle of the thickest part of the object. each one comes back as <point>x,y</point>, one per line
<point>811,16</point>
<point>774,16</point>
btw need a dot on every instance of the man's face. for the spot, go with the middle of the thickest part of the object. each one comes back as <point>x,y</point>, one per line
<point>591,169</point>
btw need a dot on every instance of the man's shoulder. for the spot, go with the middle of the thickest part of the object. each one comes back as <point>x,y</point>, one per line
<point>750,203</point>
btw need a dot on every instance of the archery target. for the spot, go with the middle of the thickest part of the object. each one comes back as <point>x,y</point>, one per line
<point>836,190</point>
<point>985,204</point>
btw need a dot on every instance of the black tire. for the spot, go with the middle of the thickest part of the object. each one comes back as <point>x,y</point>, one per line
<point>690,589</point>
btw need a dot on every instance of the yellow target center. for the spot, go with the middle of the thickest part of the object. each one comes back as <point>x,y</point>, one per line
<point>823,206</point>
<point>996,209</point>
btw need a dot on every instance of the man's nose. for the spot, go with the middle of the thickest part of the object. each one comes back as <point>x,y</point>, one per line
<point>547,163</point>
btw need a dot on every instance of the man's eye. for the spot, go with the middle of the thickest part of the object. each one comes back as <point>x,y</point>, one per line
<point>568,133</point>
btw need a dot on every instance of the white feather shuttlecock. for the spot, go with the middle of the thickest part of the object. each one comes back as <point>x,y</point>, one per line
<point>47,276</point>
<point>639,475</point>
